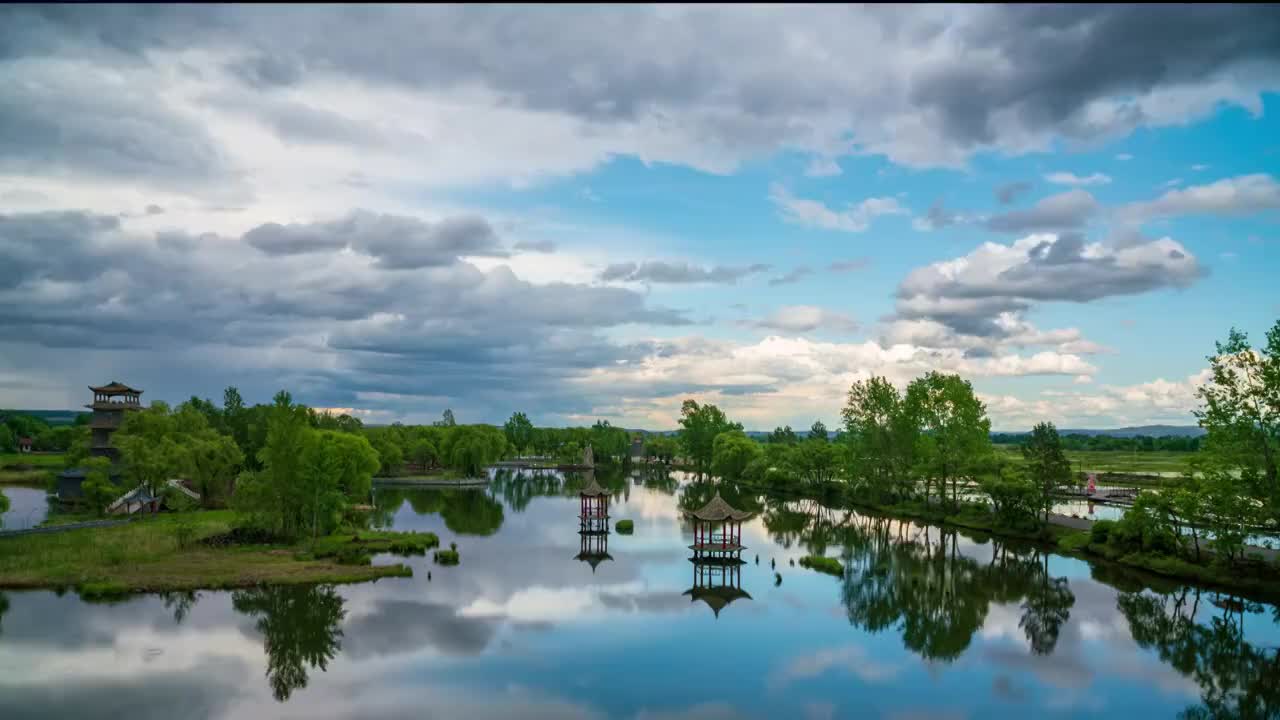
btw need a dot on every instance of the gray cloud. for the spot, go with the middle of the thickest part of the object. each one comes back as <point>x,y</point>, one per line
<point>1009,192</point>
<point>792,277</point>
<point>1041,70</point>
<point>937,217</point>
<point>397,242</point>
<point>58,119</point>
<point>326,322</point>
<point>657,271</point>
<point>1066,211</point>
<point>1241,195</point>
<point>985,296</point>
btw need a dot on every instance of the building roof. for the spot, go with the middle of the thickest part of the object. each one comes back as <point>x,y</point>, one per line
<point>716,598</point>
<point>592,488</point>
<point>717,510</point>
<point>115,387</point>
<point>593,558</point>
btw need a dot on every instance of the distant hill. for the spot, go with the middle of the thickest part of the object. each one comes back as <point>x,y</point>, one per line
<point>53,417</point>
<point>1127,432</point>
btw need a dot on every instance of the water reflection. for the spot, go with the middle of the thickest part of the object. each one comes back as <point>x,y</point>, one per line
<point>922,620</point>
<point>300,630</point>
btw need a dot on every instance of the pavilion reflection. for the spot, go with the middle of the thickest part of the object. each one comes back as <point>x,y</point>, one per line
<point>717,554</point>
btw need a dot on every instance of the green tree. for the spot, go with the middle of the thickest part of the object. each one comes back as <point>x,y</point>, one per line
<point>699,426</point>
<point>732,452</point>
<point>954,441</point>
<point>4,506</point>
<point>149,445</point>
<point>661,448</point>
<point>818,431</point>
<point>446,420</point>
<point>784,435</point>
<point>881,436</point>
<point>278,498</point>
<point>8,443</point>
<point>390,458</point>
<point>423,452</point>
<point>212,462</point>
<point>1046,465</point>
<point>1015,500</point>
<point>472,448</point>
<point>519,431</point>
<point>814,461</point>
<point>1241,413</point>
<point>97,489</point>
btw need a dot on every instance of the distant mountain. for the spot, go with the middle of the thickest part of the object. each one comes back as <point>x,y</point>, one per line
<point>1126,432</point>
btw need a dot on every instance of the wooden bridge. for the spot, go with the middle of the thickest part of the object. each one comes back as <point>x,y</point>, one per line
<point>1117,495</point>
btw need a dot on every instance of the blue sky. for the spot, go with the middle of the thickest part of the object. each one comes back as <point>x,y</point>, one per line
<point>597,212</point>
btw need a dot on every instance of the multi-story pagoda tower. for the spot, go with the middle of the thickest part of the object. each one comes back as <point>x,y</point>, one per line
<point>110,403</point>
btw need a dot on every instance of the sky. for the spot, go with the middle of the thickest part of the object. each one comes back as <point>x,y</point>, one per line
<point>597,212</point>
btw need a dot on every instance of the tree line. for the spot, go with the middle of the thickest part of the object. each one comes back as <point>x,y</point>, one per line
<point>1105,443</point>
<point>931,446</point>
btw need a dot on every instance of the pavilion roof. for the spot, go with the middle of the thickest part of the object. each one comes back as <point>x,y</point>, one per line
<point>716,597</point>
<point>717,510</point>
<point>115,387</point>
<point>592,488</point>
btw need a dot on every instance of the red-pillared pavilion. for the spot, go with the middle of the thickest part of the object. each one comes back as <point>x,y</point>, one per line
<point>717,532</point>
<point>594,515</point>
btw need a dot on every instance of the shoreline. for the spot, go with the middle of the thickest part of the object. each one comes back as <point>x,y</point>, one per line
<point>194,551</point>
<point>431,481</point>
<point>1065,536</point>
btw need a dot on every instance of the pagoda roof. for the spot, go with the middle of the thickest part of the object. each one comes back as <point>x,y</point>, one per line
<point>717,510</point>
<point>716,598</point>
<point>593,558</point>
<point>592,488</point>
<point>115,387</point>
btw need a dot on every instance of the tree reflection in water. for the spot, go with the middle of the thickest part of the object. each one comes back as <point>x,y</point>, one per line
<point>1236,679</point>
<point>914,580</point>
<point>465,511</point>
<point>300,628</point>
<point>180,603</point>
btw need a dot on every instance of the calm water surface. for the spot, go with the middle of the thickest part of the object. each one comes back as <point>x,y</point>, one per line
<point>924,623</point>
<point>28,507</point>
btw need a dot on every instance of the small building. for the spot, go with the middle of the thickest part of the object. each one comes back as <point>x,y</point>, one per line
<point>593,523</point>
<point>594,514</point>
<point>717,532</point>
<point>637,448</point>
<point>25,444</point>
<point>717,550</point>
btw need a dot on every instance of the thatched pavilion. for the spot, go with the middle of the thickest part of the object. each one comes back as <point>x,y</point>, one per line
<point>717,532</point>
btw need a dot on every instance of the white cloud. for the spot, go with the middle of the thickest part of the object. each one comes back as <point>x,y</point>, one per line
<point>1066,178</point>
<point>1240,195</point>
<point>1124,157</point>
<point>807,318</point>
<point>856,217</point>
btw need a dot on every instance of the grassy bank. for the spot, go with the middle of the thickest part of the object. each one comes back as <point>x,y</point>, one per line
<point>189,551</point>
<point>1252,577</point>
<point>29,468</point>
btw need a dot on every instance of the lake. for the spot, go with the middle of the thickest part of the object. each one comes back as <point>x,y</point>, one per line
<point>924,623</point>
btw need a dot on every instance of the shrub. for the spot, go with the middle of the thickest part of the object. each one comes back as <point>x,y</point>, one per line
<point>1100,533</point>
<point>446,557</point>
<point>1075,542</point>
<point>625,527</point>
<point>822,564</point>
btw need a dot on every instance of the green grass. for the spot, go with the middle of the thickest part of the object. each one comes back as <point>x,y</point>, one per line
<point>625,527</point>
<point>55,461</point>
<point>1159,462</point>
<point>145,556</point>
<point>830,566</point>
<point>447,557</point>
